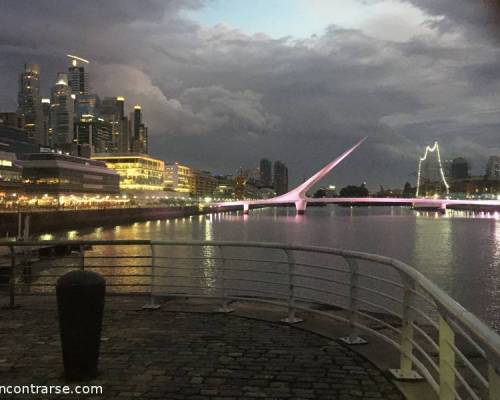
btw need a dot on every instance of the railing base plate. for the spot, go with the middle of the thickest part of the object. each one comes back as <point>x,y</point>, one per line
<point>225,310</point>
<point>405,376</point>
<point>353,341</point>
<point>291,320</point>
<point>151,307</point>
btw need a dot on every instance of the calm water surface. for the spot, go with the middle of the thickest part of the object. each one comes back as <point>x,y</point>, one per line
<point>460,252</point>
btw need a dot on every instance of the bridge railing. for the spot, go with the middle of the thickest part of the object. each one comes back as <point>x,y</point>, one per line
<point>437,339</point>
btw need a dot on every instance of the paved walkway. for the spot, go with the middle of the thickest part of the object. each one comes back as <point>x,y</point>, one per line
<point>183,355</point>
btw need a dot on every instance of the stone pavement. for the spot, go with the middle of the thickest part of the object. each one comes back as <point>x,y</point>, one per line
<point>165,354</point>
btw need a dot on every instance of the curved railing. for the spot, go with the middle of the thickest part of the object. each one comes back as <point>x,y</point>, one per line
<point>439,340</point>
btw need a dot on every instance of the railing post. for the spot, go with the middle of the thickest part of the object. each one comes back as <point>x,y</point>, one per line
<point>353,337</point>
<point>405,371</point>
<point>494,382</point>
<point>291,319</point>
<point>12,278</point>
<point>81,249</point>
<point>224,308</point>
<point>152,303</point>
<point>446,361</point>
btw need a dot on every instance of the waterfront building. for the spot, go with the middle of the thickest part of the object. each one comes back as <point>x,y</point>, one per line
<point>459,168</point>
<point>17,141</point>
<point>138,132</point>
<point>138,172</point>
<point>12,119</point>
<point>280,178</point>
<point>61,112</point>
<point>10,174</point>
<point>78,78</point>
<point>493,168</point>
<point>202,184</point>
<point>177,178</point>
<point>55,174</point>
<point>265,171</point>
<point>29,101</point>
<point>475,187</point>
<point>95,132</point>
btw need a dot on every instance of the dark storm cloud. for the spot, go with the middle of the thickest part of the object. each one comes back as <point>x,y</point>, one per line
<point>218,98</point>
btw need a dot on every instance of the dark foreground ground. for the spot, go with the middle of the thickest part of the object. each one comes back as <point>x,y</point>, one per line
<point>178,354</point>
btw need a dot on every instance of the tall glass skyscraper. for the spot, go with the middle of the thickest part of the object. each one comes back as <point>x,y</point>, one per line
<point>62,112</point>
<point>29,102</point>
<point>78,78</point>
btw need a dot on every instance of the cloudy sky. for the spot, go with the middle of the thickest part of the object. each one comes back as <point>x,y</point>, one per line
<point>226,82</point>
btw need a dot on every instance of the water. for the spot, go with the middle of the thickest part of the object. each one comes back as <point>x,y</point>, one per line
<point>460,252</point>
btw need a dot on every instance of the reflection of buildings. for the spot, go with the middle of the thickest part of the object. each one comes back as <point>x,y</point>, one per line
<point>54,173</point>
<point>137,171</point>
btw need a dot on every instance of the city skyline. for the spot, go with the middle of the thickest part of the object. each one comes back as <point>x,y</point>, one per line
<point>349,80</point>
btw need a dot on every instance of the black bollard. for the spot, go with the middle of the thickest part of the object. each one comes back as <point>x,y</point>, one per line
<point>80,303</point>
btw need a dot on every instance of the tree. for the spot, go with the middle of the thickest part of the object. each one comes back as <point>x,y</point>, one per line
<point>354,191</point>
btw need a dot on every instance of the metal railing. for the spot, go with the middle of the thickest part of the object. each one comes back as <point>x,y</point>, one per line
<point>437,339</point>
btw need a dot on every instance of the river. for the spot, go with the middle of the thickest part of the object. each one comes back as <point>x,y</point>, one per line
<point>458,251</point>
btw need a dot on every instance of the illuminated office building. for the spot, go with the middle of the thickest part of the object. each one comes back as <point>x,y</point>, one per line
<point>202,184</point>
<point>138,132</point>
<point>78,78</point>
<point>46,132</point>
<point>61,112</point>
<point>95,132</point>
<point>112,110</point>
<point>29,102</point>
<point>55,173</point>
<point>177,178</point>
<point>137,171</point>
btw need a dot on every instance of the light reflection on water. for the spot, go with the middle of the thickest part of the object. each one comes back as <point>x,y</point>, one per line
<point>459,251</point>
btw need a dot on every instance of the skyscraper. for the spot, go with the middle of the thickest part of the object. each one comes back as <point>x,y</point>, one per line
<point>265,171</point>
<point>46,136</point>
<point>459,168</point>
<point>78,78</point>
<point>280,178</point>
<point>61,112</point>
<point>29,101</point>
<point>493,168</point>
<point>112,111</point>
<point>138,131</point>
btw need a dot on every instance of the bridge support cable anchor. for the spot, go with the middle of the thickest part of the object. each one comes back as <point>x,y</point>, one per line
<point>353,338</point>
<point>152,305</point>
<point>291,318</point>
<point>224,308</point>
<point>405,371</point>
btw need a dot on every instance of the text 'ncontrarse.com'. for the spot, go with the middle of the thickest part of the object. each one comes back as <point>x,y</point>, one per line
<point>49,389</point>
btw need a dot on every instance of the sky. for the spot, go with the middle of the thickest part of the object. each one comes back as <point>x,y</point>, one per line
<point>224,83</point>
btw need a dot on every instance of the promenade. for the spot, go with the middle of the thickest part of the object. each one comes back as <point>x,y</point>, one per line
<point>184,351</point>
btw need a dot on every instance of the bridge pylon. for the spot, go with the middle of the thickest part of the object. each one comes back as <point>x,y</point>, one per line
<point>300,206</point>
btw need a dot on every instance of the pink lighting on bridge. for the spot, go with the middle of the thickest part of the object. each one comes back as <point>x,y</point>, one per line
<point>298,195</point>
